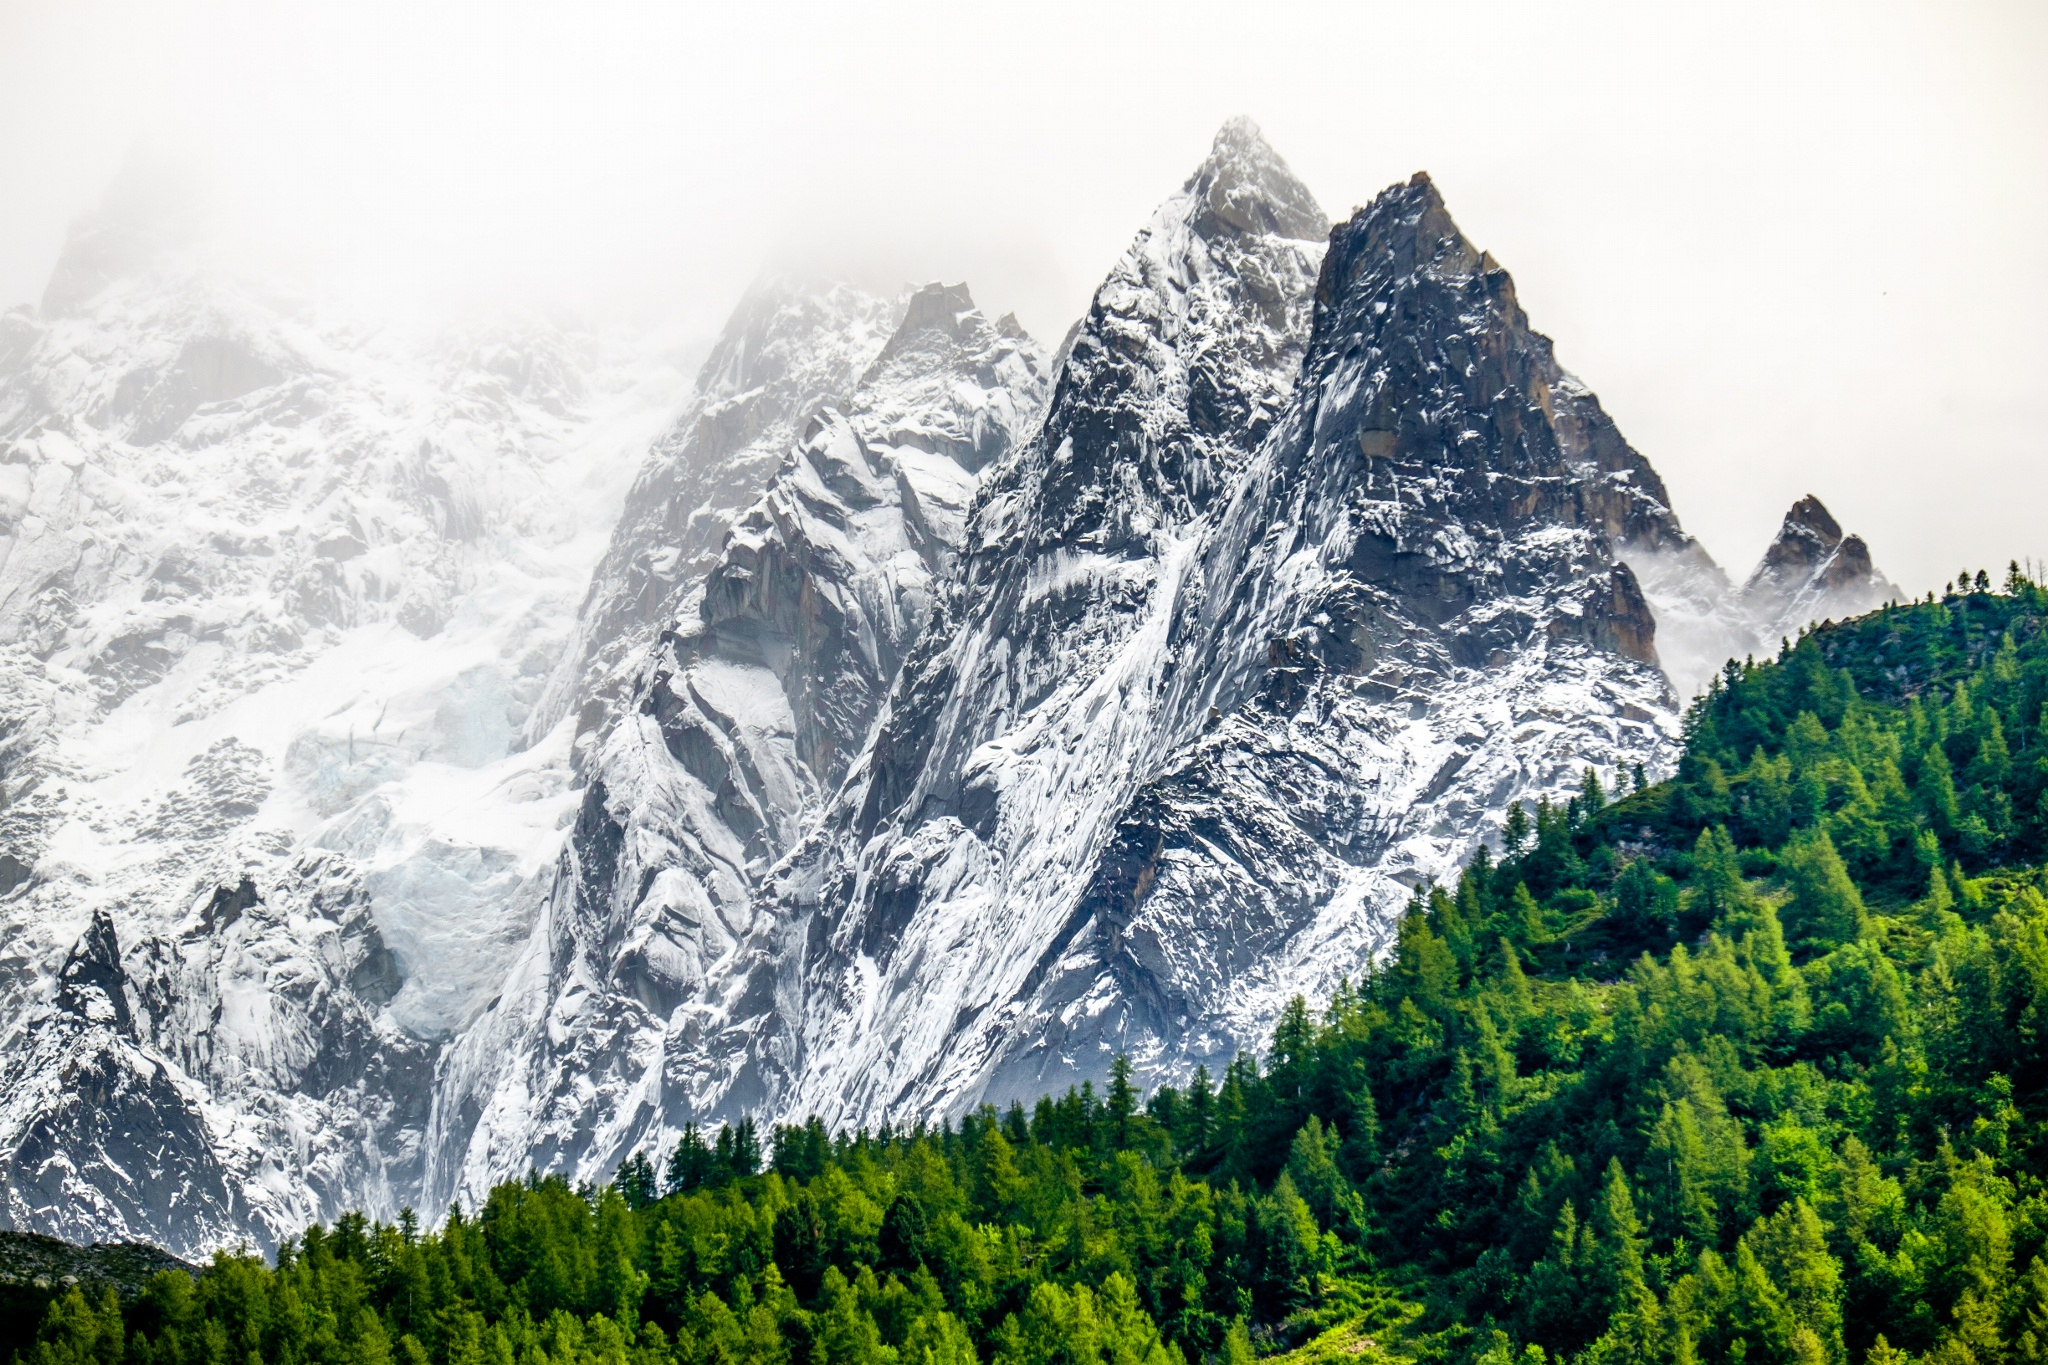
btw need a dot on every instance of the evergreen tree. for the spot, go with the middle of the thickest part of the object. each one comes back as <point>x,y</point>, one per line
<point>1826,909</point>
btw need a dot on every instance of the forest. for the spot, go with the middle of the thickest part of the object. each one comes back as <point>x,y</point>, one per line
<point>1749,1063</point>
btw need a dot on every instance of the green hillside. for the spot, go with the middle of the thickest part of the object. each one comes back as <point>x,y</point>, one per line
<point>1744,1065</point>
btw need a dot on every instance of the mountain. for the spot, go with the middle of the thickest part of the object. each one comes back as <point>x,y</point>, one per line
<point>1392,606</point>
<point>278,593</point>
<point>790,345</point>
<point>1812,572</point>
<point>1741,1031</point>
<point>430,755</point>
<point>741,719</point>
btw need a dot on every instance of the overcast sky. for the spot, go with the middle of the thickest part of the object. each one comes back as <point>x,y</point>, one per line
<point>1795,248</point>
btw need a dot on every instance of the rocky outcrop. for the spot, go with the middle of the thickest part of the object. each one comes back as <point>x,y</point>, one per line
<point>790,346</point>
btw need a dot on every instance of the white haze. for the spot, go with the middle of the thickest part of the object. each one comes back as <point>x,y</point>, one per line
<point>1794,248</point>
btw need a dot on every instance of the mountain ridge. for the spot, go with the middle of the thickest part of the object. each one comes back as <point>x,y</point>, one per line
<point>939,719</point>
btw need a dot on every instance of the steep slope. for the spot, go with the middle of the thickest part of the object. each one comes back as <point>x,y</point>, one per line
<point>278,593</point>
<point>933,725</point>
<point>741,720</point>
<point>1134,802</point>
<point>789,346</point>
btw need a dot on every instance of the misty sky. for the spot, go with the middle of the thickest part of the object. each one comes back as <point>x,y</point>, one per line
<point>1795,248</point>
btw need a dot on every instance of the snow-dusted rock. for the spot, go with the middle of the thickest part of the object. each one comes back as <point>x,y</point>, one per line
<point>1811,572</point>
<point>278,595</point>
<point>789,347</point>
<point>635,1007</point>
<point>1143,793</point>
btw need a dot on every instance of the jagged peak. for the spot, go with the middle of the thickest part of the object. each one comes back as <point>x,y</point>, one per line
<point>947,309</point>
<point>1410,226</point>
<point>1812,554</point>
<point>91,984</point>
<point>1807,536</point>
<point>1244,184</point>
<point>945,314</point>
<point>1811,514</point>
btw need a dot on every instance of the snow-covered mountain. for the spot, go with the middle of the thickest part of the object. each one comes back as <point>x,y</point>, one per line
<point>790,346</point>
<point>633,1005</point>
<point>1380,611</point>
<point>279,592</point>
<point>399,792</point>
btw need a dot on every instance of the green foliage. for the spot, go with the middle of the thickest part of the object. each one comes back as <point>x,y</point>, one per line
<point>1751,1064</point>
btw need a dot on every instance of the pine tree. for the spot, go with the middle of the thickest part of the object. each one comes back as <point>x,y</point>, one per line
<point>636,1181</point>
<point>1122,1102</point>
<point>1516,832</point>
<point>692,1163</point>
<point>1826,909</point>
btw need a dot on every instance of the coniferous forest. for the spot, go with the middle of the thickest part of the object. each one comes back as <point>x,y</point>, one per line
<point>1746,1064</point>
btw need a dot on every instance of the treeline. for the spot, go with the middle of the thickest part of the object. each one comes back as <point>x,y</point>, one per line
<point>1750,1064</point>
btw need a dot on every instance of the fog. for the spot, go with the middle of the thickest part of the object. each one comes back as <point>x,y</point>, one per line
<point>1794,249</point>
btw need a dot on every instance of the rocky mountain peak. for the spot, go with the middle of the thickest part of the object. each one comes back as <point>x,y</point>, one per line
<point>948,381</point>
<point>1187,353</point>
<point>1810,546</point>
<point>945,308</point>
<point>1812,569</point>
<point>791,346</point>
<point>1810,514</point>
<point>92,984</point>
<point>1245,184</point>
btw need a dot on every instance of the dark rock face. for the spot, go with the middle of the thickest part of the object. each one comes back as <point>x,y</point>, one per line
<point>208,370</point>
<point>1811,554</point>
<point>807,586</point>
<point>92,985</point>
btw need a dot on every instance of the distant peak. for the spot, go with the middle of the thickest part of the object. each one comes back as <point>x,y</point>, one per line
<point>1239,135</point>
<point>942,307</point>
<point>1812,555</point>
<point>1810,514</point>
<point>151,207</point>
<point>1247,185</point>
<point>942,315</point>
